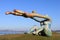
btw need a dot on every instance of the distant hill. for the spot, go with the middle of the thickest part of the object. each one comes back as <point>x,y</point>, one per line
<point>10,31</point>
<point>55,30</point>
<point>2,32</point>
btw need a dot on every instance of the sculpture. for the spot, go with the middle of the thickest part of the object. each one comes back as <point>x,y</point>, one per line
<point>44,31</point>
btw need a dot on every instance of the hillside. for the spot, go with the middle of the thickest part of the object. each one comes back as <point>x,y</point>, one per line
<point>56,36</point>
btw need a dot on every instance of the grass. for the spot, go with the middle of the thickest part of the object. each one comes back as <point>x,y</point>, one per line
<point>55,36</point>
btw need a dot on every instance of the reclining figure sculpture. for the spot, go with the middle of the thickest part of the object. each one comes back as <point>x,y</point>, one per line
<point>45,24</point>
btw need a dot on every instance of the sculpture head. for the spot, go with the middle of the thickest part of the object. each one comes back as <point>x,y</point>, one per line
<point>33,11</point>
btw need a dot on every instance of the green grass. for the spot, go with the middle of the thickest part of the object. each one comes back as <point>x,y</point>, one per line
<point>55,36</point>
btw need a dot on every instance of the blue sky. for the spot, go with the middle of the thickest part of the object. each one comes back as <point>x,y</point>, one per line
<point>50,7</point>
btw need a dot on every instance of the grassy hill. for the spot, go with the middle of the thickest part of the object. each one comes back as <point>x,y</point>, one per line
<point>56,36</point>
